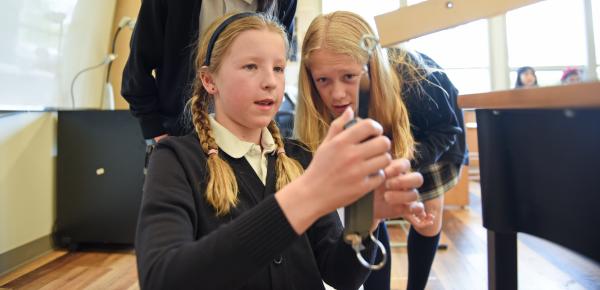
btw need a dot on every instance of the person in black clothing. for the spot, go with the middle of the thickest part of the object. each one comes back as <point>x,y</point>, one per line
<point>233,205</point>
<point>410,96</point>
<point>158,74</point>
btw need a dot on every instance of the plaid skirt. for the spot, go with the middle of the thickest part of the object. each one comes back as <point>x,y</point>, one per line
<point>438,178</point>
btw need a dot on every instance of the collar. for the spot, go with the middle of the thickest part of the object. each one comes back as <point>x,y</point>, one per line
<point>235,147</point>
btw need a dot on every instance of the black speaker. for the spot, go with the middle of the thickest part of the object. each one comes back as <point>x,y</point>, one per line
<point>100,163</point>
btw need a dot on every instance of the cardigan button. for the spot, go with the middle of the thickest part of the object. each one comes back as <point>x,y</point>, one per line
<point>278,260</point>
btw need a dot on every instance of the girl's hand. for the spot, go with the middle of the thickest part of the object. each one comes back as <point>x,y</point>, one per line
<point>397,197</point>
<point>417,216</point>
<point>345,166</point>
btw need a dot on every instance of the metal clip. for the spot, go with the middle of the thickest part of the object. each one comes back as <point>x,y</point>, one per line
<point>368,43</point>
<point>356,243</point>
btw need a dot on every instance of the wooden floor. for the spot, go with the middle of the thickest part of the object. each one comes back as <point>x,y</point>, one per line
<point>462,266</point>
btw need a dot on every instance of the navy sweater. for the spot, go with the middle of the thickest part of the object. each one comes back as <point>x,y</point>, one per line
<point>435,118</point>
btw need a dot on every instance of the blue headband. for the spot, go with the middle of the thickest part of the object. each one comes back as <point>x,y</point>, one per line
<point>220,29</point>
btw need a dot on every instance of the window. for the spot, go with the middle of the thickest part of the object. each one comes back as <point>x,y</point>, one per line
<point>367,9</point>
<point>464,58</point>
<point>596,17</point>
<point>456,49</point>
<point>548,33</point>
<point>466,61</point>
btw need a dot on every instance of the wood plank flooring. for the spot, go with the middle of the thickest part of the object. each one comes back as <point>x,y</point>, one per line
<point>462,266</point>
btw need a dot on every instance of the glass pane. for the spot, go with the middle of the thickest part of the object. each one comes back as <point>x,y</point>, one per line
<point>548,33</point>
<point>466,60</point>
<point>596,17</point>
<point>462,51</point>
<point>367,9</point>
<point>469,81</point>
<point>465,46</point>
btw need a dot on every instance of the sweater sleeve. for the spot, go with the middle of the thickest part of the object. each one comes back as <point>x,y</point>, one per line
<point>170,256</point>
<point>139,85</point>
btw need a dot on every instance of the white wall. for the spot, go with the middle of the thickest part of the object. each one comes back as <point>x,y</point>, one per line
<point>27,178</point>
<point>45,43</point>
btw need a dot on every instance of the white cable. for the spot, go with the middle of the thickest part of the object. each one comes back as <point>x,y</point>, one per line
<point>124,22</point>
<point>127,21</point>
<point>107,60</point>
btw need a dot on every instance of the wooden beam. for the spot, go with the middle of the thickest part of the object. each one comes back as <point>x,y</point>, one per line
<point>435,15</point>
<point>582,95</point>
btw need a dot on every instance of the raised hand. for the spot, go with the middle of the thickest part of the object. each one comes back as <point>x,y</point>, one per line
<point>344,168</point>
<point>397,197</point>
<point>417,216</point>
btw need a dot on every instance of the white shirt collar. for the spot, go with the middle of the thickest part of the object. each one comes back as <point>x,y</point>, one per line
<point>235,147</point>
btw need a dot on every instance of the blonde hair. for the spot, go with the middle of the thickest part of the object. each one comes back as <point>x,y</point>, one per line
<point>341,32</point>
<point>222,188</point>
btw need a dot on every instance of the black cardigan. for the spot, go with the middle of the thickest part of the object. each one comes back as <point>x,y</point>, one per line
<point>164,40</point>
<point>436,120</point>
<point>181,244</point>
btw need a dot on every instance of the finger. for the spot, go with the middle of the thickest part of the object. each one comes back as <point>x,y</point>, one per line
<point>407,181</point>
<point>419,223</point>
<point>398,167</point>
<point>337,126</point>
<point>371,182</point>
<point>425,222</point>
<point>375,165</point>
<point>397,197</point>
<point>374,147</point>
<point>361,131</point>
<point>413,220</point>
<point>418,209</point>
<point>429,218</point>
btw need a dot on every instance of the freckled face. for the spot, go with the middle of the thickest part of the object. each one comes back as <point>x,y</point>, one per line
<point>337,79</point>
<point>250,82</point>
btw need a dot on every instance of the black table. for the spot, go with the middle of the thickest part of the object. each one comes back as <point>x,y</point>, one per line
<point>539,154</point>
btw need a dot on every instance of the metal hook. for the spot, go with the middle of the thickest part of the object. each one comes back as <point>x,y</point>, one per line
<point>368,43</point>
<point>357,246</point>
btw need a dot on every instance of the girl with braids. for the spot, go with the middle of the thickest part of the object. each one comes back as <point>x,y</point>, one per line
<point>233,205</point>
<point>412,99</point>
